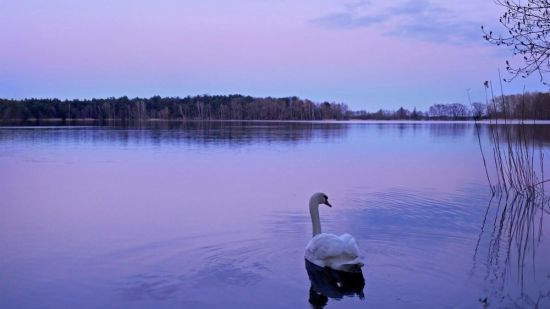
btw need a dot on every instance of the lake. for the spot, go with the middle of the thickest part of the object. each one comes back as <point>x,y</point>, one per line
<point>215,214</point>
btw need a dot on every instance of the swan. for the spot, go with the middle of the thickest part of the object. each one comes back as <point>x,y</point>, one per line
<point>329,250</point>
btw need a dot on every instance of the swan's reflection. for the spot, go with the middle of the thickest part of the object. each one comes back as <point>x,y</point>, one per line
<point>327,283</point>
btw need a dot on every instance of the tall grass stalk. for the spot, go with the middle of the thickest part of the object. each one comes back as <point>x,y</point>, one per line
<point>519,205</point>
<point>514,152</point>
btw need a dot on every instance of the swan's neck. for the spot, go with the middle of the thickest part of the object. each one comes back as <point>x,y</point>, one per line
<point>315,221</point>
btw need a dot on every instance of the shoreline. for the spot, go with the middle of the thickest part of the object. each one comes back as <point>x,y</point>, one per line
<point>88,121</point>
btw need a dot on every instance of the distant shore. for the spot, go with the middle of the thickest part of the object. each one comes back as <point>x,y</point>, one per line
<point>89,121</point>
<point>239,108</point>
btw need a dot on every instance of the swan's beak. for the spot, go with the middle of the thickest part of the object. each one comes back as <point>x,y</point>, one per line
<point>328,204</point>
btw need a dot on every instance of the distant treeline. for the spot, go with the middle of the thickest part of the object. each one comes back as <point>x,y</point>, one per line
<point>534,105</point>
<point>453,111</point>
<point>231,107</point>
<point>238,107</point>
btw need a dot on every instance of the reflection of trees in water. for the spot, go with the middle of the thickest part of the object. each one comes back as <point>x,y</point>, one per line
<point>449,129</point>
<point>436,128</point>
<point>515,131</point>
<point>510,236</point>
<point>186,132</point>
<point>242,132</point>
<point>539,133</point>
<point>327,283</point>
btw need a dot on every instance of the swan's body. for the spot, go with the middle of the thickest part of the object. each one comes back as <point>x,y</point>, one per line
<point>335,252</point>
<point>329,250</point>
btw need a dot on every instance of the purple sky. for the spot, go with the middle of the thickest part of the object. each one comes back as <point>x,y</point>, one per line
<point>368,54</point>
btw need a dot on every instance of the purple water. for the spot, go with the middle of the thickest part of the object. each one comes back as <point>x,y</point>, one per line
<point>214,214</point>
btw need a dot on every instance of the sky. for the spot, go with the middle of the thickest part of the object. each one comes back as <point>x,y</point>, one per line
<point>368,54</point>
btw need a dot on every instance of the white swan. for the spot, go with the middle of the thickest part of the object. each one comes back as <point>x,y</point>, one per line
<point>328,250</point>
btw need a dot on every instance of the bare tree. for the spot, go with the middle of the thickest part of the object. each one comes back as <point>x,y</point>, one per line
<point>528,34</point>
<point>479,110</point>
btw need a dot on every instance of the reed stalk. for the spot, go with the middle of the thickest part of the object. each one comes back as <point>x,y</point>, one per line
<point>518,206</point>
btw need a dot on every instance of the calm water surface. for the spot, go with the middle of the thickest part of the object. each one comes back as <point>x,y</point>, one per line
<point>214,214</point>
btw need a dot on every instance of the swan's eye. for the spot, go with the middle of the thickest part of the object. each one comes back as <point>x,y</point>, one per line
<point>326,197</point>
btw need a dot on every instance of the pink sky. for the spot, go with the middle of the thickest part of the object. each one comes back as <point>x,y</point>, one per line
<point>363,53</point>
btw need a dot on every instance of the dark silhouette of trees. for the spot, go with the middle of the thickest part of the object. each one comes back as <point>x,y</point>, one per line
<point>527,26</point>
<point>479,110</point>
<point>402,113</point>
<point>415,115</point>
<point>454,111</point>
<point>238,107</point>
<point>231,107</point>
<point>521,106</point>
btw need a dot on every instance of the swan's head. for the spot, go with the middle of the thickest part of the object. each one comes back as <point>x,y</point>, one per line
<point>320,198</point>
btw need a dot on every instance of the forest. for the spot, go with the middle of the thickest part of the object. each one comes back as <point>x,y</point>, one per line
<point>218,107</point>
<point>239,107</point>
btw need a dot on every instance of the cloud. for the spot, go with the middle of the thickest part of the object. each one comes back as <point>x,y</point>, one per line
<point>414,19</point>
<point>346,20</point>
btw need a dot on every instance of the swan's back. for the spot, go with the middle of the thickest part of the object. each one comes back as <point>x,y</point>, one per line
<point>336,252</point>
